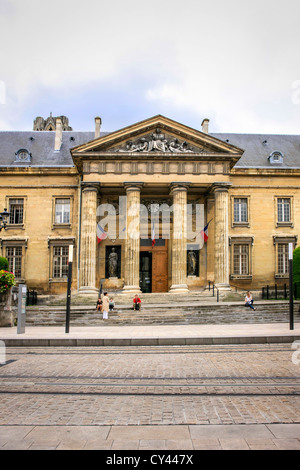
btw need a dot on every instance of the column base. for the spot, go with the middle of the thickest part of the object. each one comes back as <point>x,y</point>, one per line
<point>86,290</point>
<point>223,287</point>
<point>131,290</point>
<point>178,289</point>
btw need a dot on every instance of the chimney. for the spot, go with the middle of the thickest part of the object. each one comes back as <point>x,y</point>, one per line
<point>58,135</point>
<point>205,125</point>
<point>98,123</point>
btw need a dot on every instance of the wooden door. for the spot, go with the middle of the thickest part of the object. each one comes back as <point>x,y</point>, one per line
<point>160,270</point>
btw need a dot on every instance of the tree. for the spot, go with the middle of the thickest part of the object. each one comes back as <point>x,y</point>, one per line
<point>296,265</point>
<point>3,264</point>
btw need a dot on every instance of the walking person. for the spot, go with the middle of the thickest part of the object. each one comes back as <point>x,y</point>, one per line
<point>249,301</point>
<point>105,306</point>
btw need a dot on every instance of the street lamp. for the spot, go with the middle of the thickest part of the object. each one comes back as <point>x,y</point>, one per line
<point>3,219</point>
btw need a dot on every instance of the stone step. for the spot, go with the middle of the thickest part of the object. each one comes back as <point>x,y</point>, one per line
<point>191,314</point>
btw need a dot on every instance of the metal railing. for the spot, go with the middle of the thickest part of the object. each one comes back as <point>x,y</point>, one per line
<point>280,291</point>
<point>214,289</point>
<point>31,297</point>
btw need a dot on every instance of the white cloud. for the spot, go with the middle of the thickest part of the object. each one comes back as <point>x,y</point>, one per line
<point>230,61</point>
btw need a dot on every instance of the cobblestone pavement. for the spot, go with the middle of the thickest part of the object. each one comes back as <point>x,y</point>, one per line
<point>190,389</point>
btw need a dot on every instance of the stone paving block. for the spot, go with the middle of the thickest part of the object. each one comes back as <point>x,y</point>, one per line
<point>229,431</point>
<point>98,444</point>
<point>285,431</point>
<point>179,444</point>
<point>71,444</point>
<point>234,444</point>
<point>261,444</point>
<point>9,433</point>
<point>149,432</point>
<point>16,444</point>
<point>287,444</point>
<point>206,444</point>
<point>152,444</point>
<point>68,432</point>
<point>127,444</point>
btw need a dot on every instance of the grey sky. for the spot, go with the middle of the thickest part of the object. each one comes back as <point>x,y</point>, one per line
<point>235,62</point>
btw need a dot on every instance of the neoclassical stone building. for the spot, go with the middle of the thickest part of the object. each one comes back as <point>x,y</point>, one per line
<point>63,187</point>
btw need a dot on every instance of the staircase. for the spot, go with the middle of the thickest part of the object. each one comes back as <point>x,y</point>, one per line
<point>193,308</point>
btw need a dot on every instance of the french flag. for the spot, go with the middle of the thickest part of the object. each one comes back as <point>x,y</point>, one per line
<point>153,235</point>
<point>101,235</point>
<point>204,233</point>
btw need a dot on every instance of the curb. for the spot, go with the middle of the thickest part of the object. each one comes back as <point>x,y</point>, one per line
<point>155,341</point>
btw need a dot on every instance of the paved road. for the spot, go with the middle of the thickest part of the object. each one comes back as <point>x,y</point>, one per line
<point>150,397</point>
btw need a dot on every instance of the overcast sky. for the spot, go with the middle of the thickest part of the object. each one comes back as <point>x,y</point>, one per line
<point>235,62</point>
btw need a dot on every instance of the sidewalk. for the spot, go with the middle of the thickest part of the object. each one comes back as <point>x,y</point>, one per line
<point>149,438</point>
<point>152,335</point>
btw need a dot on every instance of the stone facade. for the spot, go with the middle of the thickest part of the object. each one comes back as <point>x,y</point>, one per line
<point>251,203</point>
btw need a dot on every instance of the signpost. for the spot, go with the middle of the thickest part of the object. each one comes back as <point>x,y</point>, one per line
<point>291,286</point>
<point>22,309</point>
<point>69,288</point>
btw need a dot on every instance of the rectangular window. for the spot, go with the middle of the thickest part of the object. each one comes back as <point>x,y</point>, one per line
<point>283,210</point>
<point>16,211</point>
<point>240,210</point>
<point>283,258</point>
<point>62,211</point>
<point>60,261</point>
<point>241,259</point>
<point>14,257</point>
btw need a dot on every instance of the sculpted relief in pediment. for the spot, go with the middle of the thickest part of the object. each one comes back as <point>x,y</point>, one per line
<point>158,142</point>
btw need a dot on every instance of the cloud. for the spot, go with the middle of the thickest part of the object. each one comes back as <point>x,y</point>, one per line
<point>229,61</point>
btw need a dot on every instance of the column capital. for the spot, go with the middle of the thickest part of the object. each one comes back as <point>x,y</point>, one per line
<point>179,186</point>
<point>133,186</point>
<point>220,187</point>
<point>90,186</point>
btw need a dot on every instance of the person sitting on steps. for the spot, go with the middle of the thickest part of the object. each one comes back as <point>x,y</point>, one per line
<point>136,303</point>
<point>249,301</point>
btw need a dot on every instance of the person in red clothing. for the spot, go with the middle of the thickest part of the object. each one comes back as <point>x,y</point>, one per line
<point>137,303</point>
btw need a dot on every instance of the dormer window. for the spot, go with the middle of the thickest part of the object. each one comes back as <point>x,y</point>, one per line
<point>276,157</point>
<point>23,156</point>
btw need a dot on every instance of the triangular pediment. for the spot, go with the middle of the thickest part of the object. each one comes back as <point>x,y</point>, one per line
<point>160,136</point>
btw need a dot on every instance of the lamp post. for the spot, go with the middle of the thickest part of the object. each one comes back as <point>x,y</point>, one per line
<point>69,288</point>
<point>3,219</point>
<point>291,286</point>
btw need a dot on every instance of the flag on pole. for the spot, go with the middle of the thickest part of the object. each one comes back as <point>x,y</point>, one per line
<point>101,234</point>
<point>204,232</point>
<point>153,235</point>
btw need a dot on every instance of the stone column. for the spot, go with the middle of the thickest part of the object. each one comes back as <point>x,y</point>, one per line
<point>132,244</point>
<point>179,252</point>
<point>221,235</point>
<point>88,249</point>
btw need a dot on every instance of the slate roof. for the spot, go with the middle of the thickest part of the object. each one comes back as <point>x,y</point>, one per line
<point>257,148</point>
<point>41,145</point>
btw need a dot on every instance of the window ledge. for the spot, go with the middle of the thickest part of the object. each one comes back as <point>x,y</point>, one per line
<point>15,226</point>
<point>240,276</point>
<point>284,224</point>
<point>282,276</point>
<point>55,226</point>
<point>58,279</point>
<point>241,224</point>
